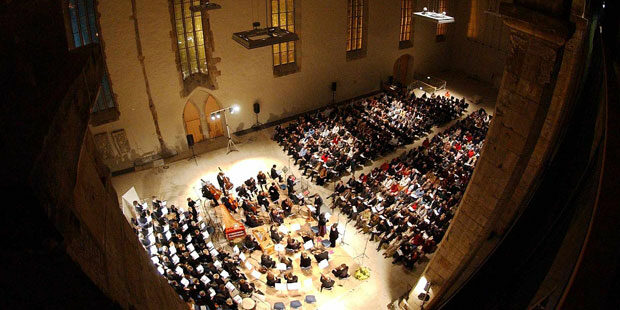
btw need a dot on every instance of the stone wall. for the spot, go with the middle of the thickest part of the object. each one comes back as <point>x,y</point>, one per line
<point>247,75</point>
<point>537,87</point>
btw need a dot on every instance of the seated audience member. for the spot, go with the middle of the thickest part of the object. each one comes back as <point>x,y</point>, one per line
<point>341,271</point>
<point>275,174</point>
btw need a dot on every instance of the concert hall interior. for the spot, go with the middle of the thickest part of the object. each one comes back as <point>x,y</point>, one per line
<point>298,154</point>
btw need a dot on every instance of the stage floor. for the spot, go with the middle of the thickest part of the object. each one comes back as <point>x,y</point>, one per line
<point>181,179</point>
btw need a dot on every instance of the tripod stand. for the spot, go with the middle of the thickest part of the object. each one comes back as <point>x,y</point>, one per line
<point>361,256</point>
<point>193,155</point>
<point>231,144</point>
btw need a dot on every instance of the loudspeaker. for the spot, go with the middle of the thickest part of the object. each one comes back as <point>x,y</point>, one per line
<point>190,140</point>
<point>334,86</point>
<point>256,107</point>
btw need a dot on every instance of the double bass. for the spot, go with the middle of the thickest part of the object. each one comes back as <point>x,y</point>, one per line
<point>227,184</point>
<point>214,191</point>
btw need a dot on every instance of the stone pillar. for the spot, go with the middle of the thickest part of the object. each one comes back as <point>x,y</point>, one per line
<point>536,87</point>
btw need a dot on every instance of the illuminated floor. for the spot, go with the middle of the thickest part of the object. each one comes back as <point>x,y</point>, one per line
<point>181,179</point>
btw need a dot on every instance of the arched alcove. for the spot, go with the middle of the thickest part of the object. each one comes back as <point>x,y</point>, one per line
<point>191,119</point>
<point>215,126</point>
<point>403,69</point>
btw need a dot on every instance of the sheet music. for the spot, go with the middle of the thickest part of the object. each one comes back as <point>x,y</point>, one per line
<point>283,229</point>
<point>230,286</point>
<point>205,279</point>
<point>242,256</point>
<point>224,274</point>
<point>294,286</point>
<point>255,274</point>
<point>217,264</point>
<point>210,245</point>
<point>190,247</point>
<point>200,269</point>
<point>280,286</point>
<point>281,266</point>
<point>194,255</point>
<point>236,250</point>
<point>179,271</point>
<point>308,245</point>
<point>237,299</point>
<point>295,227</point>
<point>248,266</point>
<point>279,247</point>
<point>323,264</point>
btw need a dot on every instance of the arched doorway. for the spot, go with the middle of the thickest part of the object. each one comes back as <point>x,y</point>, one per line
<point>191,118</point>
<point>215,126</point>
<point>401,69</point>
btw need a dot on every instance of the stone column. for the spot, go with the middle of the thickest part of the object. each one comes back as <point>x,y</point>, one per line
<point>533,97</point>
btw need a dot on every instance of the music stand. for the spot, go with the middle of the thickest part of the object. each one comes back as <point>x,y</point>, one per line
<point>361,256</point>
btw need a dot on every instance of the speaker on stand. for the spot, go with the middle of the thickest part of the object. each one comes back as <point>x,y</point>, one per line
<point>257,111</point>
<point>334,87</point>
<point>190,143</point>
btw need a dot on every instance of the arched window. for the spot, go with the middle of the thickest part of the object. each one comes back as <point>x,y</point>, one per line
<point>84,30</point>
<point>357,16</point>
<point>406,24</point>
<point>284,54</point>
<point>194,45</point>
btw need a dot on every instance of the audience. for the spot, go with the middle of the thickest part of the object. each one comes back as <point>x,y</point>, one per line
<point>329,142</point>
<point>406,204</point>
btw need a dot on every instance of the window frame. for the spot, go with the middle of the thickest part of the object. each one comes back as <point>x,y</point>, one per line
<point>361,32</point>
<point>405,38</point>
<point>282,69</point>
<point>105,109</point>
<point>207,72</point>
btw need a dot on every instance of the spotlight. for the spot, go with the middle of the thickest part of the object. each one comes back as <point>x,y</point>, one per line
<point>217,115</point>
<point>235,108</point>
<point>443,13</point>
<point>428,77</point>
<point>212,117</point>
<point>424,10</point>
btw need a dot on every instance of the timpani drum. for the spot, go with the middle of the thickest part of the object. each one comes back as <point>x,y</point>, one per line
<point>248,304</point>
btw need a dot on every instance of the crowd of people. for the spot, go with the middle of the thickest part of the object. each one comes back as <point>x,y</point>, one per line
<point>327,143</point>
<point>407,203</point>
<point>177,240</point>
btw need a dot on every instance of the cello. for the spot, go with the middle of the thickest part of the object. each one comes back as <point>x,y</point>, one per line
<point>227,184</point>
<point>214,191</point>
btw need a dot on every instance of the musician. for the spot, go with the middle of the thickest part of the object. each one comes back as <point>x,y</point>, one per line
<point>326,282</point>
<point>287,207</point>
<point>221,182</point>
<point>341,271</point>
<point>305,261</point>
<point>276,217</point>
<point>322,223</point>
<point>246,287</point>
<point>267,261</point>
<point>333,235</point>
<point>252,220</point>
<point>274,174</point>
<point>271,279</point>
<point>229,203</point>
<point>318,203</point>
<point>206,193</point>
<point>250,243</point>
<point>286,261</point>
<point>242,191</point>
<point>292,244</point>
<point>290,184</point>
<point>262,180</point>
<point>263,201</point>
<point>291,278</point>
<point>250,184</point>
<point>274,194</point>
<point>275,235</point>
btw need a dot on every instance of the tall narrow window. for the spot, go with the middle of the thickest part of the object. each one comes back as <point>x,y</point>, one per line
<point>442,29</point>
<point>356,34</point>
<point>85,30</point>
<point>194,45</point>
<point>284,54</point>
<point>406,20</point>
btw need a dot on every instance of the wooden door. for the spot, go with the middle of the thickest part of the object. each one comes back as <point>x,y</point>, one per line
<point>216,128</point>
<point>191,117</point>
<point>401,68</point>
